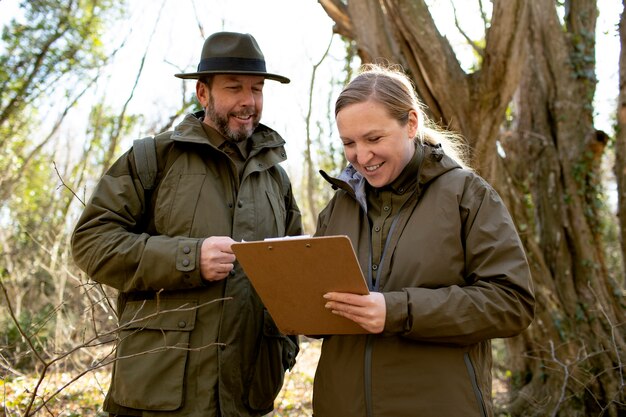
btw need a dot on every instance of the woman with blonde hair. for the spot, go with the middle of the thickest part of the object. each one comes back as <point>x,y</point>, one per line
<point>445,266</point>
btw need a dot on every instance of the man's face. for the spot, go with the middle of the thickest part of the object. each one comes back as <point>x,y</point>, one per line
<point>233,104</point>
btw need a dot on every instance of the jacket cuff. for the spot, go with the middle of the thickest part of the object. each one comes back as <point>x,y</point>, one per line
<point>187,261</point>
<point>397,312</point>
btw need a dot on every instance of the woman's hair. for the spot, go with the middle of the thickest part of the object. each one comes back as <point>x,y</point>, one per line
<point>391,87</point>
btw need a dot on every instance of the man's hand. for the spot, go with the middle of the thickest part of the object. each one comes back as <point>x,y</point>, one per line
<point>368,311</point>
<point>216,258</point>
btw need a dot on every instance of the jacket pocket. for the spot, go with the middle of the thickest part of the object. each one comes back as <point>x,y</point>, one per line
<point>276,354</point>
<point>279,211</point>
<point>152,354</point>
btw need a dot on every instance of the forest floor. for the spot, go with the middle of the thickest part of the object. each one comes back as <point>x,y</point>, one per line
<point>83,397</point>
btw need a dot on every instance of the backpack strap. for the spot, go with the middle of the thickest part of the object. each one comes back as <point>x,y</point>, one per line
<point>150,174</point>
<point>146,161</point>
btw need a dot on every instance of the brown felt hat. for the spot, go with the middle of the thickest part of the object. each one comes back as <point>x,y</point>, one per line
<point>232,53</point>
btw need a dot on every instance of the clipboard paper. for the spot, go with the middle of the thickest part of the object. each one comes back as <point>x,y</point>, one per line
<point>291,275</point>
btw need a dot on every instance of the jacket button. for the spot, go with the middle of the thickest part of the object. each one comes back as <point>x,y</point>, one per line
<point>374,267</point>
<point>182,324</point>
<point>186,249</point>
<point>377,228</point>
<point>240,204</point>
<point>185,262</point>
<point>386,208</point>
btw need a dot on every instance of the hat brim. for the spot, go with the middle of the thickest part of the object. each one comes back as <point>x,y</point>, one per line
<point>196,75</point>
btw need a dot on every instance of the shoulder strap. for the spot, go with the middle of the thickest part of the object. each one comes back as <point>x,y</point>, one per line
<point>146,161</point>
<point>147,166</point>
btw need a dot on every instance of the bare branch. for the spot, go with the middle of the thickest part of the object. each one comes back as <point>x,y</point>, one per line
<point>94,341</point>
<point>120,118</point>
<point>308,154</point>
<point>198,21</point>
<point>63,184</point>
<point>480,51</point>
<point>338,11</point>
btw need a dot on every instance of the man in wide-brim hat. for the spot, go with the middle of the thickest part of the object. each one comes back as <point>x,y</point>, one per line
<point>195,338</point>
<point>233,58</point>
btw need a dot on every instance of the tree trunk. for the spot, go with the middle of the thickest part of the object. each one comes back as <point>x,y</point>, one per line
<point>577,343</point>
<point>570,361</point>
<point>620,140</point>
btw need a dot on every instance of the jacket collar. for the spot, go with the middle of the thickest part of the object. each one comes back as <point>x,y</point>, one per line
<point>190,130</point>
<point>432,161</point>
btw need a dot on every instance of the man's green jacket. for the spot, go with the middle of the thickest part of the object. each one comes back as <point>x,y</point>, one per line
<point>186,346</point>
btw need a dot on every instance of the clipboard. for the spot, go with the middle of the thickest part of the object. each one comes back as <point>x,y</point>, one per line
<point>292,274</point>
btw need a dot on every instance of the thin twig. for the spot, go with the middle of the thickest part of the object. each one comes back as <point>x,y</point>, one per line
<point>63,184</point>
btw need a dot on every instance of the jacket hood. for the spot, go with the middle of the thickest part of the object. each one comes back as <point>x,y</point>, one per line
<point>433,162</point>
<point>190,130</point>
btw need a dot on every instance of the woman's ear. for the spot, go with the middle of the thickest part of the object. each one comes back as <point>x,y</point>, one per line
<point>412,124</point>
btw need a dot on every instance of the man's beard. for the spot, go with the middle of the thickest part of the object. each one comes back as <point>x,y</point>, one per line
<point>221,123</point>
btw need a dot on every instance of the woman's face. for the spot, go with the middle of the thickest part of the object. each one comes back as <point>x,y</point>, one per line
<point>377,145</point>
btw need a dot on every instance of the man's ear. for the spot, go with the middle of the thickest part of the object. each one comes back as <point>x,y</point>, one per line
<point>202,93</point>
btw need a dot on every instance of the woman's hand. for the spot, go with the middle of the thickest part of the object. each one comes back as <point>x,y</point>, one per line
<point>368,311</point>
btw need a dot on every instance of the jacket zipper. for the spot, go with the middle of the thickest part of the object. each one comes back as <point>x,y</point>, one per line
<point>369,341</point>
<point>367,366</point>
<point>474,380</point>
<point>368,375</point>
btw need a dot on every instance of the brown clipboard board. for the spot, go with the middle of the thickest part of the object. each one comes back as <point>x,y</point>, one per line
<point>292,274</point>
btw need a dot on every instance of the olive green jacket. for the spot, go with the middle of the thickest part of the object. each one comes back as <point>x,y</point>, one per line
<point>454,275</point>
<point>183,340</point>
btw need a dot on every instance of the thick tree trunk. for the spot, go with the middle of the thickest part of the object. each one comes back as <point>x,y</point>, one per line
<point>570,362</point>
<point>576,346</point>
